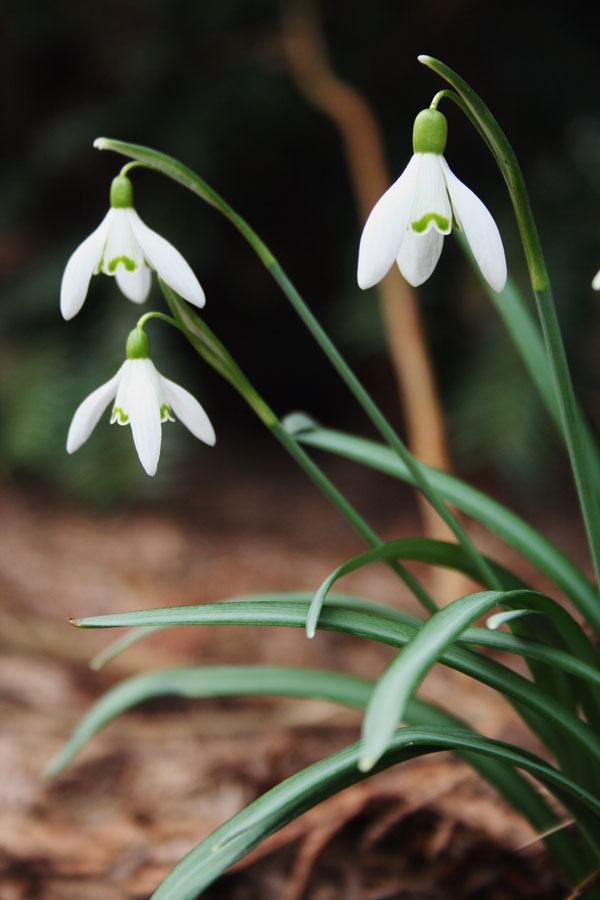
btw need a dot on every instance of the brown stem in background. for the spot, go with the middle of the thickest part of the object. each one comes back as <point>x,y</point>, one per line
<point>307,59</point>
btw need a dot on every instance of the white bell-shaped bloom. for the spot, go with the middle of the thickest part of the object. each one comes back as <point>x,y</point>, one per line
<point>409,221</point>
<point>125,247</point>
<point>596,281</point>
<point>144,399</point>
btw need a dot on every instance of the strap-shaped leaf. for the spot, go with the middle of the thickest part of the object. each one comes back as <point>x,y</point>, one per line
<point>388,701</point>
<point>518,533</point>
<point>500,640</point>
<point>349,690</point>
<point>202,865</point>
<point>518,689</point>
<point>437,553</point>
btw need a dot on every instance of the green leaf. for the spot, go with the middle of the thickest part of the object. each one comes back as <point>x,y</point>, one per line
<point>350,690</point>
<point>518,689</point>
<point>503,522</point>
<point>439,553</point>
<point>201,866</point>
<point>401,678</point>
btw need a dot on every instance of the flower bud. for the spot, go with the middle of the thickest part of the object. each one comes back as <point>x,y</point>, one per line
<point>430,132</point>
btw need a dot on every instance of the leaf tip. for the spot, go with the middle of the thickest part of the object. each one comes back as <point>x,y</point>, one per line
<point>101,143</point>
<point>366,763</point>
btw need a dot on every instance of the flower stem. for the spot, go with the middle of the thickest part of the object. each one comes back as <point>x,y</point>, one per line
<point>157,315</point>
<point>498,144</point>
<point>185,176</point>
<point>214,352</point>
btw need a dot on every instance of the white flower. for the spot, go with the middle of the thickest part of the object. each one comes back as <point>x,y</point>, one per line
<point>143,399</point>
<point>596,281</point>
<point>409,221</point>
<point>125,247</point>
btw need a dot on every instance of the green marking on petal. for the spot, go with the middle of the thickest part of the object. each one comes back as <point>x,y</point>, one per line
<point>422,224</point>
<point>119,416</point>
<point>166,413</point>
<point>128,263</point>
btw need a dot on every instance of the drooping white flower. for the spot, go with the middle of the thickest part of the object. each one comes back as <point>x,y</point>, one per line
<point>409,221</point>
<point>143,399</point>
<point>596,281</point>
<point>123,246</point>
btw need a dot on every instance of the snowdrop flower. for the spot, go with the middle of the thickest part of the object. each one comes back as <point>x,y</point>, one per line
<point>126,248</point>
<point>596,282</point>
<point>143,399</point>
<point>409,221</point>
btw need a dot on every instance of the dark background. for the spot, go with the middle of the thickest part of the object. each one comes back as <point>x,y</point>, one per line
<point>206,82</point>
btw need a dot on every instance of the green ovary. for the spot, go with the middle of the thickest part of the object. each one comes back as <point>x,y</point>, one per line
<point>128,263</point>
<point>422,224</point>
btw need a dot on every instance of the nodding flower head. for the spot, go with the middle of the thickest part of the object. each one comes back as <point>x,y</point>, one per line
<point>143,398</point>
<point>409,222</point>
<point>123,246</point>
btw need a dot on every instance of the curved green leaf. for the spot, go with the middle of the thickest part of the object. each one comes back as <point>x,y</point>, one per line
<point>434,552</point>
<point>394,688</point>
<point>202,865</point>
<point>350,690</point>
<point>395,633</point>
<point>346,601</point>
<point>551,656</point>
<point>548,558</point>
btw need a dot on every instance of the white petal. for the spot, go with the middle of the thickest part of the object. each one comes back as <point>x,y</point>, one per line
<point>385,228</point>
<point>135,285</point>
<point>167,261</point>
<point>122,248</point>
<point>88,413</point>
<point>141,403</point>
<point>431,204</point>
<point>596,282</point>
<point>188,410</point>
<point>480,229</point>
<point>419,254</point>
<point>80,268</point>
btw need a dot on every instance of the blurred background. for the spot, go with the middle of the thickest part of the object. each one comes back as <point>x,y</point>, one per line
<point>210,84</point>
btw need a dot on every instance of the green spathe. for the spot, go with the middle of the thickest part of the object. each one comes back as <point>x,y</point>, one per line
<point>430,132</point>
<point>138,345</point>
<point>121,192</point>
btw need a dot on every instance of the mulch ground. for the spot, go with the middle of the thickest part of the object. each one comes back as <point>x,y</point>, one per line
<point>158,780</point>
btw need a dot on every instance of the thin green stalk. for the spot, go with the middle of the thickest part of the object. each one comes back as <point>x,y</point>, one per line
<point>213,351</point>
<point>381,424</point>
<point>498,144</point>
<point>173,169</point>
